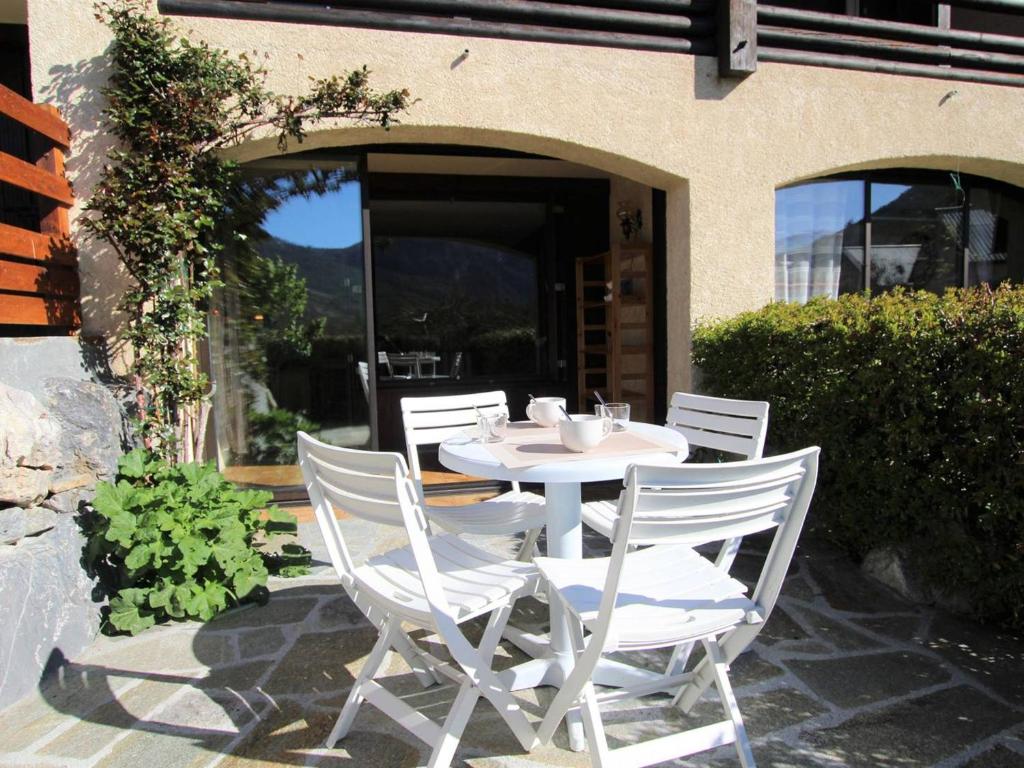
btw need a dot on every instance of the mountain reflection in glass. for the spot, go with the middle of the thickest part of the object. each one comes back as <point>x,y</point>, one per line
<point>915,236</point>
<point>288,327</point>
<point>456,288</point>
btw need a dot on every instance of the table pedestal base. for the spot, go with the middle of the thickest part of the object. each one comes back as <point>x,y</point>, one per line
<point>552,659</point>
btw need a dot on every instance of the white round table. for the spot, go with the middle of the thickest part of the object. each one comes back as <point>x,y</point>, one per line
<point>552,658</point>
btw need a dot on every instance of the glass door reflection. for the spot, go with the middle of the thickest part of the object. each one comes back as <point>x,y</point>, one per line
<point>288,346</point>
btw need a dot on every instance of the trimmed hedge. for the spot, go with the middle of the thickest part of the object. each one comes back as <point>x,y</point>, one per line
<point>917,401</point>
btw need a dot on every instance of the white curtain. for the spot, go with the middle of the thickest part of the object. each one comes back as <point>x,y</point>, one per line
<point>812,222</point>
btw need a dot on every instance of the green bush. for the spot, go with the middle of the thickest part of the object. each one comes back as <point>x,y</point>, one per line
<point>503,350</point>
<point>178,541</point>
<point>272,435</point>
<point>917,401</point>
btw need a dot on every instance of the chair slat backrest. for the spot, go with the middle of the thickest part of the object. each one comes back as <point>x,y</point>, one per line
<point>711,502</point>
<point>360,483</point>
<point>733,426</point>
<point>374,486</point>
<point>431,420</point>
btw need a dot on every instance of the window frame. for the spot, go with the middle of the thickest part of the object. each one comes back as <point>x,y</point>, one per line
<point>911,176</point>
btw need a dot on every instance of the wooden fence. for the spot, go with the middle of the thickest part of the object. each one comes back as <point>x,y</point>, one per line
<point>38,269</point>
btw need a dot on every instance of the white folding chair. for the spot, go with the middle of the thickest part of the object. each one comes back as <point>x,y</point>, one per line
<point>429,421</point>
<point>385,360</point>
<point>436,583</point>
<point>668,595</point>
<point>734,426</point>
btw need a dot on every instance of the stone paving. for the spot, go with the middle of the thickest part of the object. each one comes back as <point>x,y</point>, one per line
<point>844,674</point>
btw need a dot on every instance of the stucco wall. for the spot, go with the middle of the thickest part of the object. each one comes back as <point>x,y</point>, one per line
<point>719,148</point>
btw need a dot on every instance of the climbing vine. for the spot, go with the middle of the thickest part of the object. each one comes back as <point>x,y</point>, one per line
<point>174,104</point>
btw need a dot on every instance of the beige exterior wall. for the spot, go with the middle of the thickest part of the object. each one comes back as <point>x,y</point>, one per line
<point>719,148</point>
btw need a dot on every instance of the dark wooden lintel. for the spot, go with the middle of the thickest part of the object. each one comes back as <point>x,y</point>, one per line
<point>737,38</point>
<point>551,23</point>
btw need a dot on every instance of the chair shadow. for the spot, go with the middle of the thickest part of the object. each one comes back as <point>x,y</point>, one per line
<point>273,728</point>
<point>275,707</point>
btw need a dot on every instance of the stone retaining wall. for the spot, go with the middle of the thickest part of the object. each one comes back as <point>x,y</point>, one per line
<point>61,432</point>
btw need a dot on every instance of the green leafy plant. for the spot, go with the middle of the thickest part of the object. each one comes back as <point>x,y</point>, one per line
<point>174,104</point>
<point>917,401</point>
<point>272,435</point>
<point>178,541</point>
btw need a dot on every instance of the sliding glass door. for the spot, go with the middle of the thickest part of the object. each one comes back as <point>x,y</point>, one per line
<point>288,331</point>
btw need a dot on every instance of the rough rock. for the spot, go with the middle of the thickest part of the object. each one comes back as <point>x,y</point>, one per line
<point>12,524</point>
<point>24,486</point>
<point>68,502</point>
<point>46,602</point>
<point>29,435</point>
<point>887,566</point>
<point>28,445</point>
<point>17,523</point>
<point>39,520</point>
<point>92,433</point>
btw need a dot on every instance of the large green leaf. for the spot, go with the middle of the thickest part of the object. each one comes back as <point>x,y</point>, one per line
<point>128,612</point>
<point>194,554</point>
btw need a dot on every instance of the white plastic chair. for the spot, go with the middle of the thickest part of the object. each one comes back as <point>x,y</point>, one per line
<point>383,359</point>
<point>734,426</point>
<point>429,421</point>
<point>669,595</point>
<point>436,583</point>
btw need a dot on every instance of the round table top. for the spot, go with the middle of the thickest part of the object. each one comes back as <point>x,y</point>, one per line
<point>470,457</point>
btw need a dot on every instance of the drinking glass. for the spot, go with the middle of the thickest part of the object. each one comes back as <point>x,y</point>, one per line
<point>492,428</point>
<point>617,412</point>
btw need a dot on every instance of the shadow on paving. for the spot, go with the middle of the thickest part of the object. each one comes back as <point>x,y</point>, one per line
<point>280,692</point>
<point>846,674</point>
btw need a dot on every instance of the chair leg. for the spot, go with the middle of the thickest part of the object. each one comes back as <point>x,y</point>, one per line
<point>468,695</point>
<point>584,664</point>
<point>729,704</point>
<point>454,724</point>
<point>731,644</point>
<point>677,662</point>
<point>407,649</point>
<point>730,548</point>
<point>594,726</point>
<point>526,551</point>
<point>476,663</point>
<point>401,642</point>
<point>355,695</point>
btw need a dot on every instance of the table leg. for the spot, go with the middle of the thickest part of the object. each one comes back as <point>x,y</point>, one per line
<point>552,656</point>
<point>564,539</point>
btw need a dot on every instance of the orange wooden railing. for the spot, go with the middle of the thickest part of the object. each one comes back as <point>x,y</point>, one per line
<point>38,270</point>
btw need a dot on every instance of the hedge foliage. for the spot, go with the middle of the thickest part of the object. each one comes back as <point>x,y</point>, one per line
<point>917,401</point>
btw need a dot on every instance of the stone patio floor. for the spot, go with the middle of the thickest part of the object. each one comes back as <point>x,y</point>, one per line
<point>844,673</point>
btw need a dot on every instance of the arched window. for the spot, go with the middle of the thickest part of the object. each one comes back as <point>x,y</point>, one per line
<point>874,231</point>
